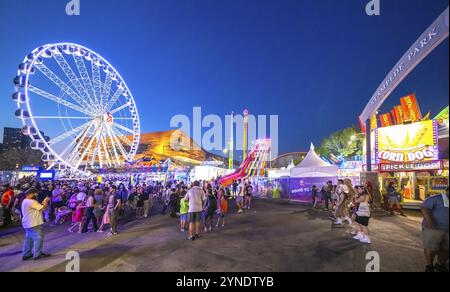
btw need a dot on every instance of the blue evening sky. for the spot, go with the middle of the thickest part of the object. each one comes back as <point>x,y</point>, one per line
<point>313,63</point>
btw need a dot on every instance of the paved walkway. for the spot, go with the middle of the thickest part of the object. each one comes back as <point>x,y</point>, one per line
<point>271,237</point>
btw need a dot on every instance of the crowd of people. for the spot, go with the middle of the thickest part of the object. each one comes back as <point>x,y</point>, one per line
<point>201,206</point>
<point>92,206</point>
<point>347,204</point>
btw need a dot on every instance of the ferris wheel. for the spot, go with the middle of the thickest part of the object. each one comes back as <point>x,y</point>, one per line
<point>76,109</point>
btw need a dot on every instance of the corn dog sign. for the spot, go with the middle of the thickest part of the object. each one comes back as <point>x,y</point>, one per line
<point>417,142</point>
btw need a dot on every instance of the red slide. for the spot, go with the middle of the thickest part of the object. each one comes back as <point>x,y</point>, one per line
<point>240,173</point>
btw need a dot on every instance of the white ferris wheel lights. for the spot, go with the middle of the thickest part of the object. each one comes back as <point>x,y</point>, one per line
<point>84,96</point>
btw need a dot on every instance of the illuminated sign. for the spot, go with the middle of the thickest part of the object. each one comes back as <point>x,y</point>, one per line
<point>407,167</point>
<point>386,120</point>
<point>417,142</point>
<point>411,109</point>
<point>30,168</point>
<point>46,175</point>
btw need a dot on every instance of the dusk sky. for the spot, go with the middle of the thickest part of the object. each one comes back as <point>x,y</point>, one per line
<point>313,63</point>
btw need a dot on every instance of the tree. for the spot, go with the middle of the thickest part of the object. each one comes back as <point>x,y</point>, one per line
<point>345,143</point>
<point>13,157</point>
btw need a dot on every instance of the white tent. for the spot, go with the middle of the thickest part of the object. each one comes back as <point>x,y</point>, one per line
<point>282,172</point>
<point>314,166</point>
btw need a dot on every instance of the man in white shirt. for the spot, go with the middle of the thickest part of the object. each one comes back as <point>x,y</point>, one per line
<point>32,222</point>
<point>81,195</point>
<point>196,198</point>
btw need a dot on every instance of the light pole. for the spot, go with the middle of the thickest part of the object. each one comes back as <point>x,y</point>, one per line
<point>225,152</point>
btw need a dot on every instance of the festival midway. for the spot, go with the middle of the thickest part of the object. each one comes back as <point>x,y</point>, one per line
<point>224,136</point>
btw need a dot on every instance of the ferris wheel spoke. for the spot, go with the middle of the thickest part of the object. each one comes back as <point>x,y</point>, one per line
<point>106,88</point>
<point>114,98</point>
<point>76,140</point>
<point>85,78</point>
<point>57,99</point>
<point>124,106</point>
<point>73,78</point>
<point>123,128</point>
<point>88,147</point>
<point>79,142</point>
<point>105,149</point>
<point>97,83</point>
<point>110,136</point>
<point>122,137</point>
<point>96,151</point>
<point>68,134</point>
<point>61,84</point>
<point>120,146</point>
<point>59,118</point>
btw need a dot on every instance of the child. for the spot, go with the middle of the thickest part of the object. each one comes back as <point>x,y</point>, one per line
<point>77,218</point>
<point>184,208</point>
<point>209,210</point>
<point>223,210</point>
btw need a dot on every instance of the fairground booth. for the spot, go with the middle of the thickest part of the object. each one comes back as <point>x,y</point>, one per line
<point>411,151</point>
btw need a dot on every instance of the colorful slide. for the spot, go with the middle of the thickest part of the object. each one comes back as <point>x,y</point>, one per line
<point>254,165</point>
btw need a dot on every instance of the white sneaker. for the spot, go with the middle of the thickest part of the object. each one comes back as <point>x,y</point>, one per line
<point>338,222</point>
<point>206,229</point>
<point>365,239</point>
<point>182,230</point>
<point>358,237</point>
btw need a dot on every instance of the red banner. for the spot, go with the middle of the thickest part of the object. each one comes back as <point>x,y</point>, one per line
<point>398,115</point>
<point>411,109</point>
<point>386,120</point>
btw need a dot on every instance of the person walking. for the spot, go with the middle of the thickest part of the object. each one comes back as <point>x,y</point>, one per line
<point>362,201</point>
<point>314,193</point>
<point>240,197</point>
<point>32,223</point>
<point>115,209</point>
<point>196,198</point>
<point>89,215</point>
<point>210,210</point>
<point>435,229</point>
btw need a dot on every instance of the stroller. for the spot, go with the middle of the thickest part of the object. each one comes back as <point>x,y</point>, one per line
<point>63,215</point>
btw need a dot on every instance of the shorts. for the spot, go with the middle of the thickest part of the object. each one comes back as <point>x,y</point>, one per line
<point>183,217</point>
<point>435,240</point>
<point>209,215</point>
<point>393,201</point>
<point>222,215</point>
<point>195,217</point>
<point>364,221</point>
<point>239,199</point>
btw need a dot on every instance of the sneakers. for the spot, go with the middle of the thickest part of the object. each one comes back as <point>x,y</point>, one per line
<point>191,238</point>
<point>240,211</point>
<point>210,229</point>
<point>338,222</point>
<point>359,236</point>
<point>182,230</point>
<point>206,229</point>
<point>41,256</point>
<point>26,258</point>
<point>365,239</point>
